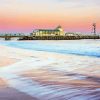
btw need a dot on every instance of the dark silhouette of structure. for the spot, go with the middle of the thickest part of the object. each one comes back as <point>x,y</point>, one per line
<point>94,28</point>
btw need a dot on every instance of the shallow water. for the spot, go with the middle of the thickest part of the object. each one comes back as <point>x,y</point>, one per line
<point>74,77</point>
<point>77,47</point>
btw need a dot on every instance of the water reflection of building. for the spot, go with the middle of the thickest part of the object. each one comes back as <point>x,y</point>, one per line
<point>48,32</point>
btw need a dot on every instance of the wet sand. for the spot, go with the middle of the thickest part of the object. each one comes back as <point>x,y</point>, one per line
<point>63,79</point>
<point>32,75</point>
<point>6,92</point>
<point>4,61</point>
<point>5,57</point>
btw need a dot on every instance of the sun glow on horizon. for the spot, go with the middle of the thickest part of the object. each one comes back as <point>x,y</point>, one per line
<point>72,15</point>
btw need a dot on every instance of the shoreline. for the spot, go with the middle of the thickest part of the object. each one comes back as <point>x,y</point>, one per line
<point>7,92</point>
<point>16,55</point>
<point>35,72</point>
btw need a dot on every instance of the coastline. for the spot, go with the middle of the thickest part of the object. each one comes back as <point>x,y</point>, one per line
<point>4,59</point>
<point>7,92</point>
<point>29,67</point>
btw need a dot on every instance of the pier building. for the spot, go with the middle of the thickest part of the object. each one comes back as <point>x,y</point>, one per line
<point>58,31</point>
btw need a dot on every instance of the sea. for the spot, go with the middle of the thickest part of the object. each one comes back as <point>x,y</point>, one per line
<point>75,47</point>
<point>74,78</point>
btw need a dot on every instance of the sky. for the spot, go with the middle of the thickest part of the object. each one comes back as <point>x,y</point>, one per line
<point>27,15</point>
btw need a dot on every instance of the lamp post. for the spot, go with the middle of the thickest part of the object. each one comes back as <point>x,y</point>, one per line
<point>94,28</point>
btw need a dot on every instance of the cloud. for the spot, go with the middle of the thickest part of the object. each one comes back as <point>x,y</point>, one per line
<point>79,3</point>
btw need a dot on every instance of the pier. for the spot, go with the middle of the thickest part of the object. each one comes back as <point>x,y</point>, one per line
<point>51,34</point>
<point>49,37</point>
<point>65,37</point>
<point>59,37</point>
<point>9,36</point>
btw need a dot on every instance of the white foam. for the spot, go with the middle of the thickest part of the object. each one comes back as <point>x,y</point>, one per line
<point>29,60</point>
<point>39,91</point>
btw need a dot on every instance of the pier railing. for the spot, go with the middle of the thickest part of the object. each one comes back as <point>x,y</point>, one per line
<point>58,37</point>
<point>65,37</point>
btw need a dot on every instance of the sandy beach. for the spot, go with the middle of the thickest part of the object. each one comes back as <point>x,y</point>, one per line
<point>7,92</point>
<point>39,75</point>
<point>4,59</point>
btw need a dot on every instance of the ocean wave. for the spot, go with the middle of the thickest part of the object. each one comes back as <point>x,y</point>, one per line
<point>76,47</point>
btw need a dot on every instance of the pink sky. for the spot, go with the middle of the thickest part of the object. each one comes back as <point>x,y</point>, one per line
<point>26,15</point>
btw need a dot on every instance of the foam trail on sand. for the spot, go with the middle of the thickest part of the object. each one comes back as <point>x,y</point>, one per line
<point>44,91</point>
<point>48,92</point>
<point>53,76</point>
<point>27,64</point>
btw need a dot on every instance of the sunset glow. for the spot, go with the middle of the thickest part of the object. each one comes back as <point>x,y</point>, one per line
<point>26,15</point>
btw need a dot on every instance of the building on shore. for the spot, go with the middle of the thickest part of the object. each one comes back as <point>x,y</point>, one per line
<point>58,31</point>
